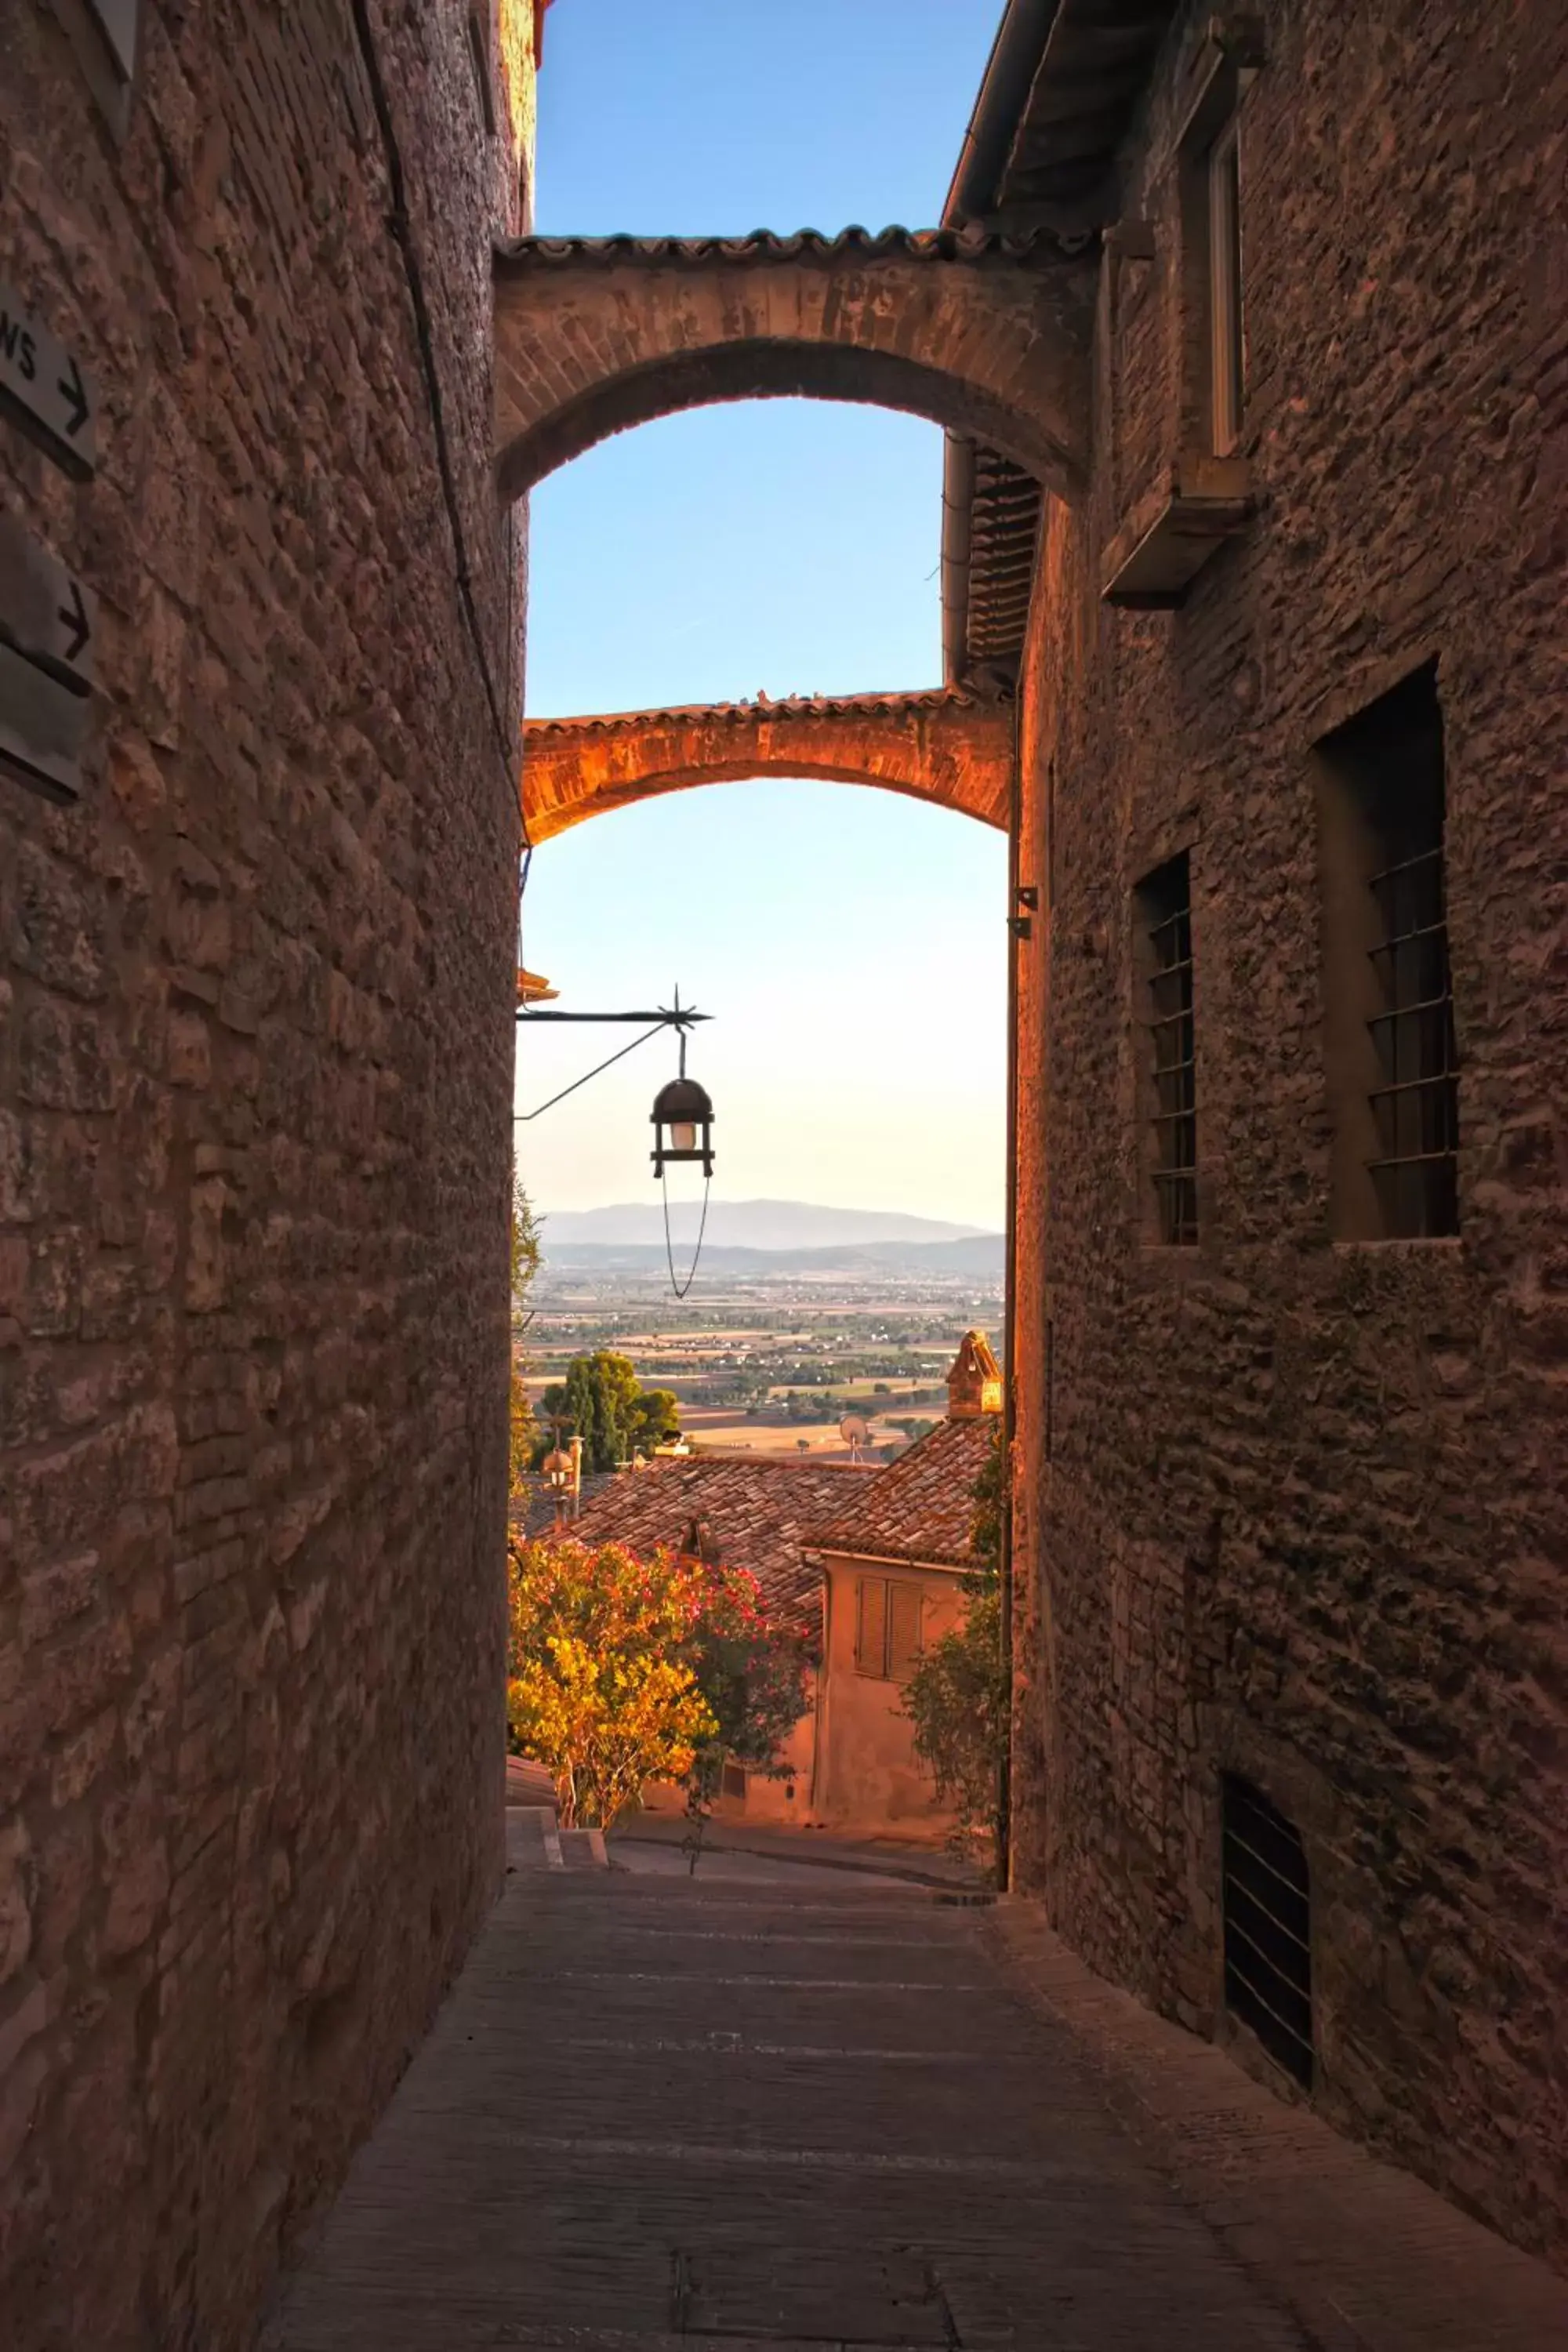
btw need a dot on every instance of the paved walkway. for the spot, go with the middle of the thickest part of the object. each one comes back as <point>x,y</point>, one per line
<point>661,2115</point>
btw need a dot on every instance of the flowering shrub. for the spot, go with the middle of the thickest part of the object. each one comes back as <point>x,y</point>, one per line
<point>623,1670</point>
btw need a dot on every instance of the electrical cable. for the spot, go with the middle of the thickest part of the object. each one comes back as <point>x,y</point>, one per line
<point>697,1255</point>
<point>522,1118</point>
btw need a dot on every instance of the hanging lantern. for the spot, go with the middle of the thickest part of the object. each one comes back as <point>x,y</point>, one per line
<point>558,1466</point>
<point>683,1125</point>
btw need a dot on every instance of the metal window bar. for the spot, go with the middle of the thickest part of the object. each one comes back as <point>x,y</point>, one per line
<point>1267,1907</point>
<point>1173,1035</point>
<point>1415,1108</point>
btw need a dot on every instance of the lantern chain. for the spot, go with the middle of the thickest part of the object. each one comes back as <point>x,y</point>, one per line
<point>679,1288</point>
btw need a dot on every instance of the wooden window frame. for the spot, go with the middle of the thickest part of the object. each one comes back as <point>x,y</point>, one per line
<point>1227,351</point>
<point>1227,61</point>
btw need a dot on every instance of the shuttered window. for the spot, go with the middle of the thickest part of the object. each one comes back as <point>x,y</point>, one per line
<point>887,1628</point>
<point>903,1630</point>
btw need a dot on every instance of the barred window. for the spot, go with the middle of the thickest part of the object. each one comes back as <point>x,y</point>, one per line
<point>1268,1915</point>
<point>887,1613</point>
<point>1164,900</point>
<point>1390,1055</point>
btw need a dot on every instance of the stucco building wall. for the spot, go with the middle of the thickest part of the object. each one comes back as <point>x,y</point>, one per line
<point>256,1003</point>
<point>867,1776</point>
<point>1287,1505</point>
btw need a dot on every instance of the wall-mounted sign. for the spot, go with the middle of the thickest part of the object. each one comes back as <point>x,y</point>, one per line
<point>45,612</point>
<point>43,725</point>
<point>45,391</point>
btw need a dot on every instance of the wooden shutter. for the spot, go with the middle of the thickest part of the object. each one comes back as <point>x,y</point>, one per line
<point>904,1631</point>
<point>871,1627</point>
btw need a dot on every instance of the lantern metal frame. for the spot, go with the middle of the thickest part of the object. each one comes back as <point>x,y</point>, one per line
<point>681,1102</point>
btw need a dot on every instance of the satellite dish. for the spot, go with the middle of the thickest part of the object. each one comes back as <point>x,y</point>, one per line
<point>855,1430</point>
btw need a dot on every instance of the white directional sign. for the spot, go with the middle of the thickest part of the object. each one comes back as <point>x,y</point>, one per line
<point>43,725</point>
<point>44,390</point>
<point>45,612</point>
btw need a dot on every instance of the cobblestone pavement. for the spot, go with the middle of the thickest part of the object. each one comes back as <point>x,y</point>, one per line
<point>660,2114</point>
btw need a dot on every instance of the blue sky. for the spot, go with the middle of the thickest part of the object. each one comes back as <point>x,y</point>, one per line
<point>850,943</point>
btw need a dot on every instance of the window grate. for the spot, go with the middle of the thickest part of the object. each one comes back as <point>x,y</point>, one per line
<point>1416,1106</point>
<point>1268,1915</point>
<point>1166,898</point>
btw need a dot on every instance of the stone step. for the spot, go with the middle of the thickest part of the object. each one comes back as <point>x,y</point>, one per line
<point>535,1841</point>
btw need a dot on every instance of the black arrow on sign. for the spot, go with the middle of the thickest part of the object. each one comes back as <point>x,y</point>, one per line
<point>74,615</point>
<point>76,392</point>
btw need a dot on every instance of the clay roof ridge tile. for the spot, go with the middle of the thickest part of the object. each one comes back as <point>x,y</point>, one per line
<point>792,706</point>
<point>970,244</point>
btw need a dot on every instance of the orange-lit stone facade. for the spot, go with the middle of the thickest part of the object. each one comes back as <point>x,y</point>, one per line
<point>952,750</point>
<point>1290,1502</point>
<point>255,1023</point>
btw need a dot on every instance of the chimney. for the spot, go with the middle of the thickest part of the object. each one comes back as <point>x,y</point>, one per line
<point>974,1383</point>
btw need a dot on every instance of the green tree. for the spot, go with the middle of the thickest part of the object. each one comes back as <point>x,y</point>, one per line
<point>957,1698</point>
<point>604,1404</point>
<point>623,1670</point>
<point>525,1258</point>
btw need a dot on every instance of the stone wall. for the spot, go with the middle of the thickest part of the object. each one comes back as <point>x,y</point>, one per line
<point>255,1070</point>
<point>1290,1506</point>
<point>954,750</point>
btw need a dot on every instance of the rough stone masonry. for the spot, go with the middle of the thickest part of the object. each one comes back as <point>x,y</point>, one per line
<point>254,1068</point>
<point>1291,1500</point>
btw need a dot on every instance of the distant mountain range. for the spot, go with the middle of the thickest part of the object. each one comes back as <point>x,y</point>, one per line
<point>744,1226</point>
<point>971,1254</point>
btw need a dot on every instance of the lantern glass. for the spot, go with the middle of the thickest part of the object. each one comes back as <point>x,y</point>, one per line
<point>683,1136</point>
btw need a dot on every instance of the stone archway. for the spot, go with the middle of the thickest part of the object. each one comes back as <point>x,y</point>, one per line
<point>987,336</point>
<point>951,750</point>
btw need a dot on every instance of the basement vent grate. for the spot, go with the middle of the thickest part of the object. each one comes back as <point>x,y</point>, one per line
<point>1267,1926</point>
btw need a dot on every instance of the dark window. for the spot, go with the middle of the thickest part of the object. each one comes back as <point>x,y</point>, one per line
<point>1392,1062</point>
<point>1165,912</point>
<point>734,1783</point>
<point>1267,1926</point>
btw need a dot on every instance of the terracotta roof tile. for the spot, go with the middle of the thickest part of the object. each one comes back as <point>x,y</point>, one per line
<point>922,1507</point>
<point>795,706</point>
<point>969,244</point>
<point>757,1510</point>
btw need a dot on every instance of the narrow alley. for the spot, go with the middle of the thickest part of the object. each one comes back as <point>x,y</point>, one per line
<point>735,2113</point>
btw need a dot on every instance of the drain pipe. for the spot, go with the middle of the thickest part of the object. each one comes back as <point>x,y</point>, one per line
<point>1005,88</point>
<point>957,538</point>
